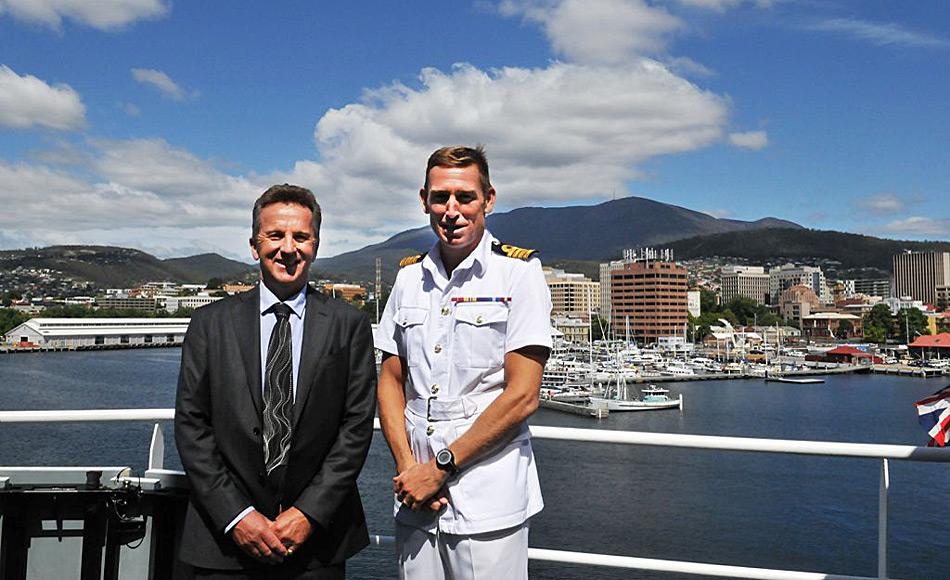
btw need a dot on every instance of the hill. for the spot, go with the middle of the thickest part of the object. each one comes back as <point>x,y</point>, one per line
<point>858,255</point>
<point>108,266</point>
<point>595,232</point>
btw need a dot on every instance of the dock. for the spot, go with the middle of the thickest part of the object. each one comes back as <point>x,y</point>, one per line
<point>574,408</point>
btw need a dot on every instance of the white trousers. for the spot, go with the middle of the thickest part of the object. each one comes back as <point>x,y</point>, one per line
<point>489,556</point>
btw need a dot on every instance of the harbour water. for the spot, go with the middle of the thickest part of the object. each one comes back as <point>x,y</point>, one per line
<point>799,513</point>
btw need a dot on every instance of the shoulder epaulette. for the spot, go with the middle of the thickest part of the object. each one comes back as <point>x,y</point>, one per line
<point>410,260</point>
<point>512,251</point>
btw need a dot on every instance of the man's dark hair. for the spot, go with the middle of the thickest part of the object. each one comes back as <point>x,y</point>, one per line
<point>459,156</point>
<point>286,193</point>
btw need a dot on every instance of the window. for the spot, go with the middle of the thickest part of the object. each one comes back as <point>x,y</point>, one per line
<point>100,340</point>
<point>124,339</point>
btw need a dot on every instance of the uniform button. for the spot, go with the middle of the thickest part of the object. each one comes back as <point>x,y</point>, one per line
<point>257,431</point>
<point>438,348</point>
<point>435,389</point>
<point>430,430</point>
<point>261,476</point>
<point>445,311</point>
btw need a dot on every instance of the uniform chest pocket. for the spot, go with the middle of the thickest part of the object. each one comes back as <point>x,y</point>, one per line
<point>480,332</point>
<point>410,321</point>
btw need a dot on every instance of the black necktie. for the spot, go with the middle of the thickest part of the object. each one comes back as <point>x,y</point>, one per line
<point>278,393</point>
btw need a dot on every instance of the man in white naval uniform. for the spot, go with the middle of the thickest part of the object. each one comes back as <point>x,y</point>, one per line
<point>465,336</point>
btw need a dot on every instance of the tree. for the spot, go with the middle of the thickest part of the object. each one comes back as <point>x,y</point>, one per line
<point>708,301</point>
<point>845,329</point>
<point>214,284</point>
<point>10,319</point>
<point>910,323</point>
<point>878,323</point>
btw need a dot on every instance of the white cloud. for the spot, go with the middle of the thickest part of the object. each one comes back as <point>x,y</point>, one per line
<point>562,133</point>
<point>162,82</point>
<point>883,203</point>
<point>754,140</point>
<point>26,101</point>
<point>599,31</point>
<point>101,14</point>
<point>881,34</point>
<point>723,5</point>
<point>718,213</point>
<point>917,226</point>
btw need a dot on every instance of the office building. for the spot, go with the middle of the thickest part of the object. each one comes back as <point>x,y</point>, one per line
<point>749,281</point>
<point>918,274</point>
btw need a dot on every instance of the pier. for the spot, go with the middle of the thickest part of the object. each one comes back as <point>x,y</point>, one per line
<point>574,408</point>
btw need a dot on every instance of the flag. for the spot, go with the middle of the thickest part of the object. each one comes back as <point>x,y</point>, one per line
<point>934,416</point>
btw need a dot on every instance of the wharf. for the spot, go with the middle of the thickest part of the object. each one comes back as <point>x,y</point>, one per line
<point>6,349</point>
<point>923,372</point>
<point>574,409</point>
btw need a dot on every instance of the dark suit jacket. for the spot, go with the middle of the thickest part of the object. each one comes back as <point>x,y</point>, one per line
<point>218,429</point>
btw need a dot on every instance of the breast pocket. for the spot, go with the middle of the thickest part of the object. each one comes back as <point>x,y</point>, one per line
<point>480,331</point>
<point>410,322</point>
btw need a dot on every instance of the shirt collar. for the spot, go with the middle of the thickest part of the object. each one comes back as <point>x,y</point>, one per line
<point>478,257</point>
<point>297,302</point>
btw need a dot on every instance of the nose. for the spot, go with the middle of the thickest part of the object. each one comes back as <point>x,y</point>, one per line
<point>452,208</point>
<point>287,245</point>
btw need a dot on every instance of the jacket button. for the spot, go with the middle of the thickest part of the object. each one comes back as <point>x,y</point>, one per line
<point>257,431</point>
<point>261,476</point>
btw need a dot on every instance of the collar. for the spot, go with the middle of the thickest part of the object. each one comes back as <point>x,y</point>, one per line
<point>478,257</point>
<point>297,302</point>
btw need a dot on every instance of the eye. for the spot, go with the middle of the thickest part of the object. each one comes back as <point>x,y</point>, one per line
<point>302,238</point>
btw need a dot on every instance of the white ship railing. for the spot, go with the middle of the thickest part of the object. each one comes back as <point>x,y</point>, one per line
<point>884,453</point>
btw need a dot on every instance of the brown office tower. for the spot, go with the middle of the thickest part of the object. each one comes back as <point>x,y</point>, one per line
<point>650,295</point>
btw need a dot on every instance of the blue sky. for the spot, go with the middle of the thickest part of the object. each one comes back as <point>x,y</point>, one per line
<point>152,124</point>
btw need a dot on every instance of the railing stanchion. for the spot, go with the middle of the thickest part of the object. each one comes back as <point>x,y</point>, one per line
<point>882,521</point>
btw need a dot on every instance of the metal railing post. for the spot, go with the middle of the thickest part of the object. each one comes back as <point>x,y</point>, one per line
<point>882,521</point>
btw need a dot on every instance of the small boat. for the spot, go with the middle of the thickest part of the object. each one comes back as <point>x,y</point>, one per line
<point>647,403</point>
<point>654,390</point>
<point>802,381</point>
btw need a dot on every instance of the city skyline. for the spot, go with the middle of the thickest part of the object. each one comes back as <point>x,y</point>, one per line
<point>154,125</point>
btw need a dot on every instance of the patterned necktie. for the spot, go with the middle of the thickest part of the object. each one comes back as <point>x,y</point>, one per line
<point>278,391</point>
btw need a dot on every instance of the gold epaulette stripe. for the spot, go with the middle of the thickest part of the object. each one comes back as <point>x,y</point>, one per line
<point>514,251</point>
<point>410,260</point>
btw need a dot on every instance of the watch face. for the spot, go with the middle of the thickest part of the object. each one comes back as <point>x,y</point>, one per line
<point>444,457</point>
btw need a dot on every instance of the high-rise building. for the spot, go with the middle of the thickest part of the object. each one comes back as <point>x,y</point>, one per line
<point>917,274</point>
<point>648,292</point>
<point>877,287</point>
<point>749,281</point>
<point>781,278</point>
<point>572,295</point>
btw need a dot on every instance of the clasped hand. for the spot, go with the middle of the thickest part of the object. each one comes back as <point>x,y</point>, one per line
<point>272,541</point>
<point>420,486</point>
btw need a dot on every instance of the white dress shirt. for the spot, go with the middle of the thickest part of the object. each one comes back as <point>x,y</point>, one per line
<point>297,303</point>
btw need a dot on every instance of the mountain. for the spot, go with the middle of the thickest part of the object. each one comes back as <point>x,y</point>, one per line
<point>594,232</point>
<point>109,266</point>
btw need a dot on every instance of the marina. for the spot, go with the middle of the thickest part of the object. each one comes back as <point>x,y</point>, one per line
<point>828,506</point>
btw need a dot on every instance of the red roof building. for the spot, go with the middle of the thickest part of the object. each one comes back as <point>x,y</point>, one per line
<point>933,341</point>
<point>849,355</point>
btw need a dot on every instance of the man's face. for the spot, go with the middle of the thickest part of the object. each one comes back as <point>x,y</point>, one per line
<point>285,246</point>
<point>457,207</point>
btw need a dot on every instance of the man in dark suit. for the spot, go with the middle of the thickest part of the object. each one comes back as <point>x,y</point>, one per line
<point>274,414</point>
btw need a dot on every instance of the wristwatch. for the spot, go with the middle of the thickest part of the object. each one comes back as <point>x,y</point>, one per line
<point>445,460</point>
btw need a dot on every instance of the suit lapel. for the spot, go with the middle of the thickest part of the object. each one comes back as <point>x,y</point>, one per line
<point>247,327</point>
<point>317,322</point>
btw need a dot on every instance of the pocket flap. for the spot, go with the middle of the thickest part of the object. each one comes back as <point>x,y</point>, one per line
<point>481,314</point>
<point>411,315</point>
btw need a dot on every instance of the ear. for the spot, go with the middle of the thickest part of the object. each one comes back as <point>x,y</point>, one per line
<point>489,200</point>
<point>254,254</point>
<point>424,198</point>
